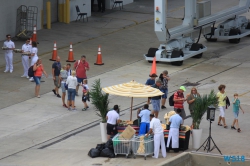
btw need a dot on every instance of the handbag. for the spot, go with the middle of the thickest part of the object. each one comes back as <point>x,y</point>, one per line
<point>66,86</point>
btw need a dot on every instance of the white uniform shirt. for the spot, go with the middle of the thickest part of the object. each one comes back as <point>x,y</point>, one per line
<point>113,116</point>
<point>155,125</point>
<point>26,48</point>
<point>34,50</point>
<point>9,44</point>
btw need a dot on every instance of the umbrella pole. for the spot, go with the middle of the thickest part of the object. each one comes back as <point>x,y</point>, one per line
<point>131,108</point>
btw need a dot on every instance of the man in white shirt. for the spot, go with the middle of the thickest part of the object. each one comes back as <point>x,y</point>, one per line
<point>112,120</point>
<point>9,54</point>
<point>175,123</point>
<point>26,48</point>
<point>156,128</point>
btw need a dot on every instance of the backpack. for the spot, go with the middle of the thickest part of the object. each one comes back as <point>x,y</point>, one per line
<point>31,72</point>
<point>171,100</point>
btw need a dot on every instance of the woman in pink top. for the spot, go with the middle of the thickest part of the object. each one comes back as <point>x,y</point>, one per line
<point>38,72</point>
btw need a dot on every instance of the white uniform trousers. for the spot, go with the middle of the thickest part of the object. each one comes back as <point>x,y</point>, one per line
<point>159,141</point>
<point>26,65</point>
<point>9,61</point>
<point>33,60</point>
<point>174,135</point>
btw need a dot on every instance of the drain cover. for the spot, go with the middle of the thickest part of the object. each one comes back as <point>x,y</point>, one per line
<point>191,84</point>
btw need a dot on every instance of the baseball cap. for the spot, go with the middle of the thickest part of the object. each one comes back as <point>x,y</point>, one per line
<point>182,88</point>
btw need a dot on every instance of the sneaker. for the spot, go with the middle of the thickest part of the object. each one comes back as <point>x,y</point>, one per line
<point>69,109</point>
<point>23,76</point>
<point>163,107</point>
<point>58,96</point>
<point>74,109</point>
<point>154,157</point>
<point>54,91</point>
<point>5,71</point>
<point>84,109</point>
<point>232,127</point>
<point>31,79</point>
<point>38,96</point>
<point>27,77</point>
<point>11,71</point>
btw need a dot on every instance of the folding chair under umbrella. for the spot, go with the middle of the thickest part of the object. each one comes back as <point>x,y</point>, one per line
<point>132,89</point>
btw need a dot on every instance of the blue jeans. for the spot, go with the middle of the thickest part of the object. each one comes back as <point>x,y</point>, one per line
<point>165,95</point>
<point>71,94</point>
<point>37,80</point>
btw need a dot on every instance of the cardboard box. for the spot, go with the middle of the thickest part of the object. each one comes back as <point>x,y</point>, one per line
<point>128,133</point>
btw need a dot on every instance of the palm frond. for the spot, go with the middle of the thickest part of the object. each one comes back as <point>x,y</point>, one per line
<point>200,106</point>
<point>99,99</point>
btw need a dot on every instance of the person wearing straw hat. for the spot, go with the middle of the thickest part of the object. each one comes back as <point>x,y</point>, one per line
<point>150,81</point>
<point>175,122</point>
<point>179,100</point>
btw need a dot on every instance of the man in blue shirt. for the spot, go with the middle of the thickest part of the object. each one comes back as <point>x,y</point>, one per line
<point>175,123</point>
<point>145,119</point>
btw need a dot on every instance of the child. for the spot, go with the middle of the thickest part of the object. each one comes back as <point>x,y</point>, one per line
<point>85,94</point>
<point>63,78</point>
<point>150,82</point>
<point>236,107</point>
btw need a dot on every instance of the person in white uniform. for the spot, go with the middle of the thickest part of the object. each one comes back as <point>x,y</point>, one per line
<point>34,56</point>
<point>25,58</point>
<point>156,128</point>
<point>175,122</point>
<point>9,54</point>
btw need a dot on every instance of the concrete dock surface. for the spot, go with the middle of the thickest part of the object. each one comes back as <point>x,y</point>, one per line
<point>40,132</point>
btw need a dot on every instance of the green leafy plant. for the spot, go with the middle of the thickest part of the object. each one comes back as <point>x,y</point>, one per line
<point>200,107</point>
<point>99,99</point>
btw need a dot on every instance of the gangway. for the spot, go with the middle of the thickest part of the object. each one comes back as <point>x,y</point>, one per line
<point>26,19</point>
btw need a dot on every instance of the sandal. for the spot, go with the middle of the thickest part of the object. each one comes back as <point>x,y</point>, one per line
<point>239,130</point>
<point>232,127</point>
<point>225,127</point>
<point>219,124</point>
<point>64,105</point>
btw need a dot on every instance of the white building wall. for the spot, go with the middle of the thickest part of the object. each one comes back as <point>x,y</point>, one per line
<point>8,12</point>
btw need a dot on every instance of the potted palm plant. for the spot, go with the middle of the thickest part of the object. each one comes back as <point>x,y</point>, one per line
<point>100,100</point>
<point>200,107</point>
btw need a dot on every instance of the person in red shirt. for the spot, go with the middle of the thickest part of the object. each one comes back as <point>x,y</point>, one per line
<point>38,72</point>
<point>179,100</point>
<point>81,66</point>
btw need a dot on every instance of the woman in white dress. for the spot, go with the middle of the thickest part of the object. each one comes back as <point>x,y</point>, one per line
<point>34,56</point>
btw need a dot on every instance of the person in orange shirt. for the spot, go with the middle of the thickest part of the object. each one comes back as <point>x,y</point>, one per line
<point>38,71</point>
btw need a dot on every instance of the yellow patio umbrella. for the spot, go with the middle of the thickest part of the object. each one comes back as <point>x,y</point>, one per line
<point>132,89</point>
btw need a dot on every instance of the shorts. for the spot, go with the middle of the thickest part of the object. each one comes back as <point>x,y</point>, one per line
<point>85,98</point>
<point>37,80</point>
<point>111,129</point>
<point>71,94</point>
<point>80,80</point>
<point>56,82</point>
<point>63,87</point>
<point>222,111</point>
<point>183,113</point>
<point>156,105</point>
<point>236,114</point>
<point>165,95</point>
<point>144,128</point>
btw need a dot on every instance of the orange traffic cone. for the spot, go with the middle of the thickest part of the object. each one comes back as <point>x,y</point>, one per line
<point>153,68</point>
<point>71,55</point>
<point>34,34</point>
<point>99,57</point>
<point>54,53</point>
